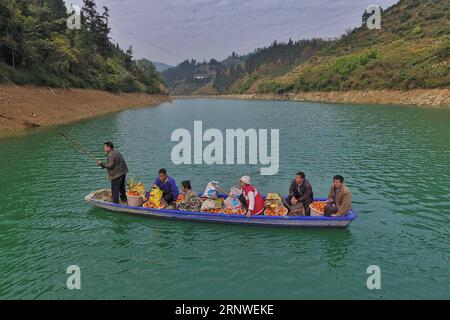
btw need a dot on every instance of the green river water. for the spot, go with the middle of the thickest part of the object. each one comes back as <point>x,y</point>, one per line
<point>395,161</point>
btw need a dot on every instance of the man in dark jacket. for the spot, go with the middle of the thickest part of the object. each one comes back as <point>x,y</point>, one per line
<point>117,170</point>
<point>300,195</point>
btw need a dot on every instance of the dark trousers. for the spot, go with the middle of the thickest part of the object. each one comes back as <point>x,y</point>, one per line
<point>118,189</point>
<point>330,209</point>
<point>294,209</point>
<point>243,201</point>
<point>168,197</point>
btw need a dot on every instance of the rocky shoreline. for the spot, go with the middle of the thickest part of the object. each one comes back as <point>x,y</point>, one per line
<point>417,97</point>
<point>23,107</point>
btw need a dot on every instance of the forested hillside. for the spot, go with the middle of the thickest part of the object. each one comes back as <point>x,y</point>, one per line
<point>37,47</point>
<point>410,51</point>
<point>189,76</point>
<point>274,60</point>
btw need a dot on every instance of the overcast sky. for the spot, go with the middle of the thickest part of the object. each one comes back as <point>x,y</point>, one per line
<point>170,31</point>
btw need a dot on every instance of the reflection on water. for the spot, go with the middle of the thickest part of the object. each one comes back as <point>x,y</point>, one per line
<point>336,249</point>
<point>394,159</point>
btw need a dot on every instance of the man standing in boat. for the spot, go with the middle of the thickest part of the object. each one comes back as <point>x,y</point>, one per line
<point>300,195</point>
<point>117,170</point>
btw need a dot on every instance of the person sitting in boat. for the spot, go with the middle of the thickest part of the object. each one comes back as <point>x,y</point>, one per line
<point>339,198</point>
<point>167,184</point>
<point>189,199</point>
<point>300,195</point>
<point>254,201</point>
<point>117,170</point>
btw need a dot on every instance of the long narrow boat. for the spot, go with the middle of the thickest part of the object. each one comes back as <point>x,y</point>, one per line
<point>98,199</point>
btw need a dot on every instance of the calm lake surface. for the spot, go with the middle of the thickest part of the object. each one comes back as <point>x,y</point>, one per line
<point>396,161</point>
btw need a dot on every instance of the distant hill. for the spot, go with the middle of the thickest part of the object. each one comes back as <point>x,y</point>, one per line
<point>412,50</point>
<point>37,47</point>
<point>189,76</point>
<point>160,67</point>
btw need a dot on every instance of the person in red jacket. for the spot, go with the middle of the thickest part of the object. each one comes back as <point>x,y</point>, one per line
<point>255,202</point>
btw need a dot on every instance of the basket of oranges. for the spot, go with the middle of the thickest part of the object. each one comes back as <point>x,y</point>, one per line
<point>274,205</point>
<point>318,208</point>
<point>134,199</point>
<point>276,211</point>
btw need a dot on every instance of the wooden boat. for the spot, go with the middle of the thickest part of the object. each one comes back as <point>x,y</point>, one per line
<point>101,199</point>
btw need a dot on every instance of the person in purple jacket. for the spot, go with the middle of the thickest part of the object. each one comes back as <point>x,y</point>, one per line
<point>167,185</point>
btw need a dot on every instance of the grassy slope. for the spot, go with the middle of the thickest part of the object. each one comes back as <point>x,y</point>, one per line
<point>412,50</point>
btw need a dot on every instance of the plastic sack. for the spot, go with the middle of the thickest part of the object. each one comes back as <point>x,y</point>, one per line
<point>155,199</point>
<point>211,204</point>
<point>236,191</point>
<point>232,202</point>
<point>211,191</point>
